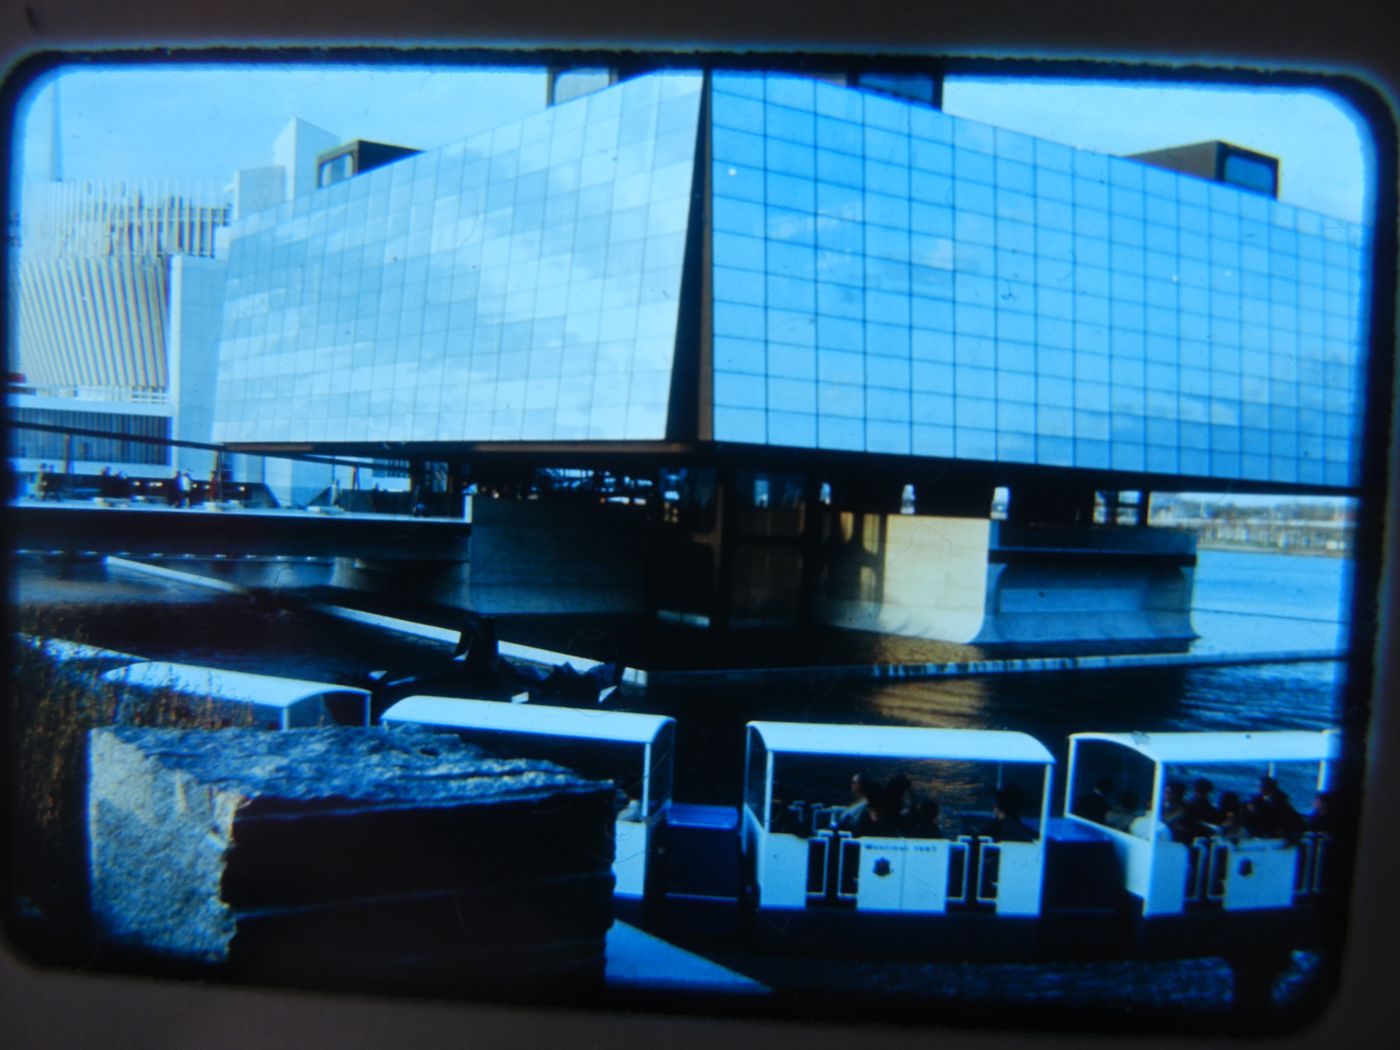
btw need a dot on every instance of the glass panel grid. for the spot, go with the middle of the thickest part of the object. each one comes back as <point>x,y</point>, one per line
<point>519,285</point>
<point>1040,304</point>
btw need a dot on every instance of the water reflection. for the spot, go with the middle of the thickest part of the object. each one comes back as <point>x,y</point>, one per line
<point>174,621</point>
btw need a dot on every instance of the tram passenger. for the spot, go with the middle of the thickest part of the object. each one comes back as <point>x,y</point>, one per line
<point>180,489</point>
<point>1320,817</point>
<point>890,808</point>
<point>1145,826</point>
<point>1199,807</point>
<point>1005,825</point>
<point>1231,821</point>
<point>1176,814</point>
<point>893,810</point>
<point>1094,805</point>
<point>630,803</point>
<point>1172,822</point>
<point>45,484</point>
<point>862,786</point>
<point>923,819</point>
<point>1273,816</point>
<point>1125,809</point>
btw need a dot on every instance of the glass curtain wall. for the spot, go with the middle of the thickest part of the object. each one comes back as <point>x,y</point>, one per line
<point>521,285</point>
<point>891,279</point>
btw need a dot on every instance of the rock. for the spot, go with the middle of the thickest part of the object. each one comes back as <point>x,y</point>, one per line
<point>371,856</point>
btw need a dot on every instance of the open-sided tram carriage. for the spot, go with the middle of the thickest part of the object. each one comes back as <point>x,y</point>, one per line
<point>273,702</point>
<point>969,881</point>
<point>968,878</point>
<point>1208,887</point>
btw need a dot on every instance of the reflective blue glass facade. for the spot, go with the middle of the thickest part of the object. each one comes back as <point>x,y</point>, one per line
<point>891,279</point>
<point>883,278</point>
<point>520,285</point>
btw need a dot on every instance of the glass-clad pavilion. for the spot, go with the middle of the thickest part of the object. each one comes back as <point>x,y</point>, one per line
<point>770,260</point>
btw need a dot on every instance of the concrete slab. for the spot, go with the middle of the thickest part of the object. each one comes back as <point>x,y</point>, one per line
<point>347,854</point>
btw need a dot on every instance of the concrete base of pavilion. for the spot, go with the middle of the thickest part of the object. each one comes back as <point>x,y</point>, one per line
<point>995,585</point>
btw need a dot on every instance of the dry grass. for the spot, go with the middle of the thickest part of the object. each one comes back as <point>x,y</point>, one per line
<point>53,703</point>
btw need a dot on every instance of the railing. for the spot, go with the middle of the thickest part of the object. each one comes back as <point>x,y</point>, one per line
<point>974,865</point>
<point>959,870</point>
<point>988,869</point>
<point>1209,860</point>
<point>1309,879</point>
<point>833,869</point>
<point>847,868</point>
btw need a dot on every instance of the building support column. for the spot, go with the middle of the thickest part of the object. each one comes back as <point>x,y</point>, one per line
<point>813,527</point>
<point>726,520</point>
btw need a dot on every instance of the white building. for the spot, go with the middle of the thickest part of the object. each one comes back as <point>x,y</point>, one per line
<point>119,302</point>
<point>97,344</point>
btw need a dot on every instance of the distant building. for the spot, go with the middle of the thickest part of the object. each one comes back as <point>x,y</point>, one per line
<point>94,281</point>
<point>120,295</point>
<point>107,277</point>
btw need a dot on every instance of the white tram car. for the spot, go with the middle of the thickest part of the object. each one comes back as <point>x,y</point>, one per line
<point>273,702</point>
<point>808,870</point>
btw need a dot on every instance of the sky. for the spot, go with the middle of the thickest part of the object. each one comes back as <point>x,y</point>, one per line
<point>205,123</point>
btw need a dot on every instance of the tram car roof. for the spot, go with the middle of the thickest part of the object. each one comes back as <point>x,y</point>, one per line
<point>974,745</point>
<point>62,649</point>
<point>263,690</point>
<point>581,723</point>
<point>1289,745</point>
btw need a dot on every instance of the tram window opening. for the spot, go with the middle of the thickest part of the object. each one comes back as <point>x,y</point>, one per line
<point>909,797</point>
<point>1234,787</point>
<point>1112,785</point>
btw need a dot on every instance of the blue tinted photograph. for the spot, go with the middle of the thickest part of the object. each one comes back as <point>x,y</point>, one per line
<point>857,540</point>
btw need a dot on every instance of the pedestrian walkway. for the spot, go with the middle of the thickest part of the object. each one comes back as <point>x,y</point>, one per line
<point>637,959</point>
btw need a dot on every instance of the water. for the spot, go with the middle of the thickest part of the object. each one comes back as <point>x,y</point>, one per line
<point>1245,603</point>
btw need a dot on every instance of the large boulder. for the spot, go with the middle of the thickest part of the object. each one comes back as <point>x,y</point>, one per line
<point>368,857</point>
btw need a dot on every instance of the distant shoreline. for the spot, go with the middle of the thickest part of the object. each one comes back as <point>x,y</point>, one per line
<point>1251,548</point>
